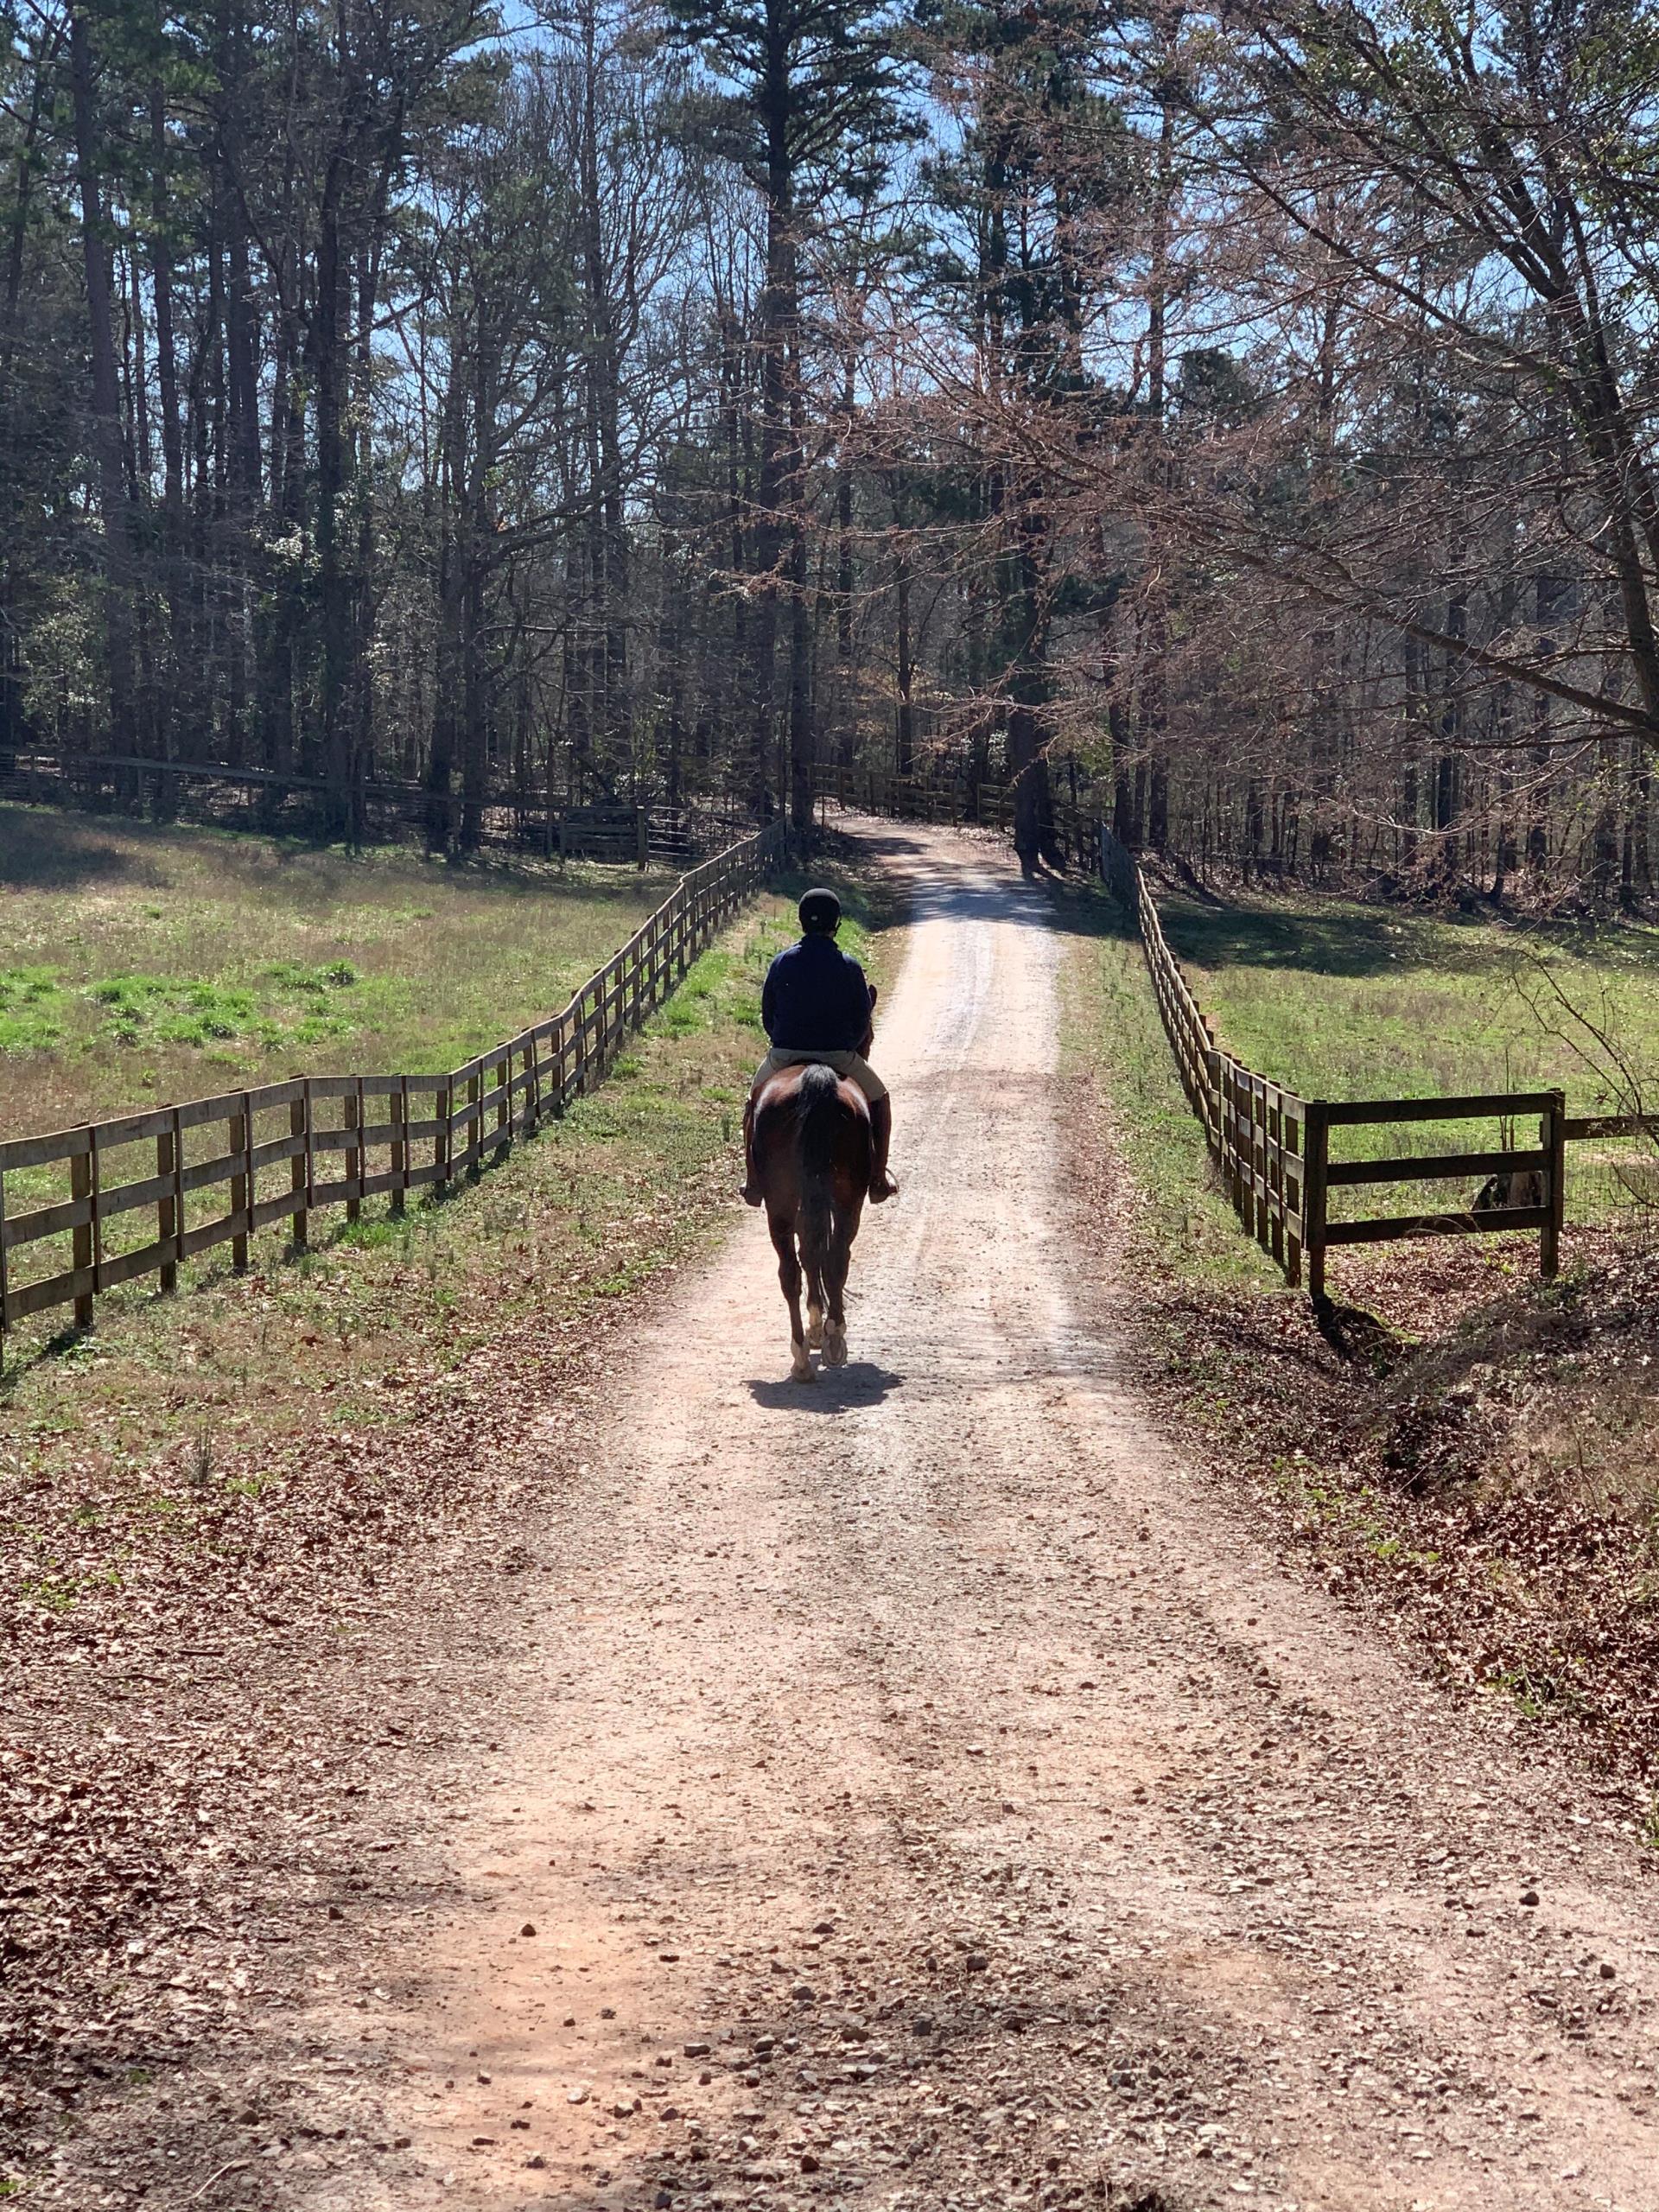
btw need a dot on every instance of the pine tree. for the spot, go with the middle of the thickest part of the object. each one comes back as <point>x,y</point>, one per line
<point>804,97</point>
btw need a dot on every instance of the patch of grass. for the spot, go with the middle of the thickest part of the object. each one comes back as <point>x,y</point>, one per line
<point>153,1009</point>
<point>1537,1694</point>
<point>1113,1031</point>
<point>30,1000</point>
<point>213,1394</point>
<point>1344,1000</point>
<point>138,956</point>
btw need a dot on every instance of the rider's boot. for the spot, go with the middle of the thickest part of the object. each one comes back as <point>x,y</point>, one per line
<point>751,1193</point>
<point>881,1184</point>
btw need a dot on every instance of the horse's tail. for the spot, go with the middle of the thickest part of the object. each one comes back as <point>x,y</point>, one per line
<point>818,1104</point>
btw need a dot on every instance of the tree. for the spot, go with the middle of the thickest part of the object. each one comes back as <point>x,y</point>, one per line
<point>804,95</point>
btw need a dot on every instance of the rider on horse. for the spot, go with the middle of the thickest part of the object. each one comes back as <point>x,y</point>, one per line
<point>815,1006</point>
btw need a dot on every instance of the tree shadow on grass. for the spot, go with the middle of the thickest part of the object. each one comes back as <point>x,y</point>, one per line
<point>1335,943</point>
<point>1349,942</point>
<point>43,851</point>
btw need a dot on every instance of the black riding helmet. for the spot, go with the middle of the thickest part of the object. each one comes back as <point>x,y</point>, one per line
<point>820,913</point>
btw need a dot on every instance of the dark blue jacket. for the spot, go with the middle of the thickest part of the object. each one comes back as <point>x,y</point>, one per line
<point>816,998</point>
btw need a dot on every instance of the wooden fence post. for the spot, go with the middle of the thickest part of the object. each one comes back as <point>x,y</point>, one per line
<point>241,1183</point>
<point>299,1176</point>
<point>354,1154</point>
<point>1238,1138</point>
<point>642,835</point>
<point>166,1217</point>
<point>1317,1139</point>
<point>474,1130</point>
<point>5,1272</point>
<point>444,1142</point>
<point>397,1113</point>
<point>1552,1135</point>
<point>1293,1240</point>
<point>176,1211</point>
<point>83,1186</point>
<point>1260,1132</point>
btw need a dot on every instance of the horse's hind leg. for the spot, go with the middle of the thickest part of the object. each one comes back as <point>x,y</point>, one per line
<point>835,1264</point>
<point>789,1274</point>
<point>815,1305</point>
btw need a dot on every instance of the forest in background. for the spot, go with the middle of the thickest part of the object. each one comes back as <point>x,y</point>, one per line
<point>1252,409</point>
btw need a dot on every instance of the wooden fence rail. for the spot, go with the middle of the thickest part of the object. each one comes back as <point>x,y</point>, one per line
<point>286,1150</point>
<point>509,815</point>
<point>1274,1148</point>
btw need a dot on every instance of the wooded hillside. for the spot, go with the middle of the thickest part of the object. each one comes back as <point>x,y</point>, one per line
<point>1256,406</point>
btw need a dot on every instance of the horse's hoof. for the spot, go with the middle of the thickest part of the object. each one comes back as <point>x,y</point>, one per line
<point>800,1366</point>
<point>835,1352</point>
<point>815,1334</point>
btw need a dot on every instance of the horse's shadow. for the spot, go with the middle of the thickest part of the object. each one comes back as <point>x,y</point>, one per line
<point>832,1389</point>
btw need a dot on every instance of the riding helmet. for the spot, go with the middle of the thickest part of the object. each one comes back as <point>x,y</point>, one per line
<point>820,911</point>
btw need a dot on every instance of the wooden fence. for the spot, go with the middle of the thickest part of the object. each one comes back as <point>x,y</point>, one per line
<point>1273,1149</point>
<point>958,803</point>
<point>285,1150</point>
<point>511,816</point>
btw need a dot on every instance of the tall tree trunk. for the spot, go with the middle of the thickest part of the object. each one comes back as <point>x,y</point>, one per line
<point>167,378</point>
<point>611,565</point>
<point>13,718</point>
<point>329,370</point>
<point>903,717</point>
<point>113,504</point>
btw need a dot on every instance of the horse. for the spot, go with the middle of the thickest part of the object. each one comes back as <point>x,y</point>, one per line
<point>813,1155</point>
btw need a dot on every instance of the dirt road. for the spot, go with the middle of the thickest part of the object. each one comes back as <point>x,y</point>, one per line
<point>925,1793</point>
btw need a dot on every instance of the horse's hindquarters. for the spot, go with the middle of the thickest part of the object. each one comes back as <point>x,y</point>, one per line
<point>813,1153</point>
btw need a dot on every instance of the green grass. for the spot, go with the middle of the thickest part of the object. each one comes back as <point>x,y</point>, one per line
<point>144,963</point>
<point>210,1397</point>
<point>1113,1032</point>
<point>1339,1001</point>
<point>1342,1001</point>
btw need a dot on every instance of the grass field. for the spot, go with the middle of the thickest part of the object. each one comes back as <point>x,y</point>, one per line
<point>1343,1000</point>
<point>1351,1001</point>
<point>1113,1035</point>
<point>213,1394</point>
<point>142,964</point>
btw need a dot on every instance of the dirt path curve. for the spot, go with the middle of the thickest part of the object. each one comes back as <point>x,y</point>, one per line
<point>934,1796</point>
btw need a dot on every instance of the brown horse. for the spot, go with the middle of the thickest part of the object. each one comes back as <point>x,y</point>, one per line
<point>812,1157</point>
